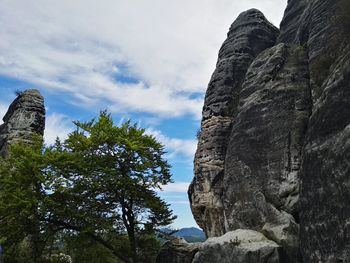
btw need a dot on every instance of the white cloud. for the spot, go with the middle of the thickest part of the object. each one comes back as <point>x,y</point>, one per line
<point>175,146</point>
<point>83,47</point>
<point>178,187</point>
<point>57,125</point>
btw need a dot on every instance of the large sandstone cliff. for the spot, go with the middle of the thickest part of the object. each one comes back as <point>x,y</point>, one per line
<point>250,34</point>
<point>274,150</point>
<point>24,118</point>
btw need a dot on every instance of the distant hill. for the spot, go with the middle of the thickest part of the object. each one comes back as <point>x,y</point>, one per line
<point>190,234</point>
<point>190,231</point>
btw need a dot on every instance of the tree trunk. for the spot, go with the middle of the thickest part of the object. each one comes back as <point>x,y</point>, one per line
<point>129,222</point>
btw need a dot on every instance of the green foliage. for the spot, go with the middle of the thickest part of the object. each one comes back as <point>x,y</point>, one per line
<point>120,167</point>
<point>193,239</point>
<point>22,201</point>
<point>148,247</point>
<point>83,249</point>
<point>94,192</point>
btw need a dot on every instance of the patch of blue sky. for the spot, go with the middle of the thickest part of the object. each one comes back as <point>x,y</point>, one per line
<point>196,95</point>
<point>182,171</point>
<point>183,211</point>
<point>182,127</point>
<point>179,203</point>
<point>9,86</point>
<point>122,74</point>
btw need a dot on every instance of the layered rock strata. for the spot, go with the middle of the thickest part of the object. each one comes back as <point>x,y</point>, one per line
<point>325,171</point>
<point>24,118</point>
<point>261,179</point>
<point>273,153</point>
<point>250,34</point>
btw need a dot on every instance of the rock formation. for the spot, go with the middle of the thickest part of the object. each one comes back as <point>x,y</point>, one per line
<point>273,153</point>
<point>250,34</point>
<point>24,118</point>
<point>177,251</point>
<point>236,246</point>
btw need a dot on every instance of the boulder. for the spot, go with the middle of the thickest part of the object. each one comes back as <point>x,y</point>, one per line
<point>239,246</point>
<point>177,250</point>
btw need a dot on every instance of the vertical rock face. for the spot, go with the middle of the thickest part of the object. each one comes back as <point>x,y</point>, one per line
<point>325,173</point>
<point>25,117</point>
<point>310,23</point>
<point>261,180</point>
<point>290,26</point>
<point>250,34</point>
<point>274,151</point>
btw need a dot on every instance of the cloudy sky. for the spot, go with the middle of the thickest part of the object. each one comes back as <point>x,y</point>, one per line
<point>146,60</point>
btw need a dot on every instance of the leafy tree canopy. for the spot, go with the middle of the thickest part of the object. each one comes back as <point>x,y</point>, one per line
<point>100,182</point>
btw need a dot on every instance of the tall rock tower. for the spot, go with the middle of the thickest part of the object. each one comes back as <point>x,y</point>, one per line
<point>273,154</point>
<point>249,35</point>
<point>24,118</point>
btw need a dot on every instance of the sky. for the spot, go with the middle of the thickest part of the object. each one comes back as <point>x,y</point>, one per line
<point>148,61</point>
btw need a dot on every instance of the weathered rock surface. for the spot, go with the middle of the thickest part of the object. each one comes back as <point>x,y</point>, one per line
<point>177,251</point>
<point>261,179</point>
<point>250,34</point>
<point>325,173</point>
<point>274,151</point>
<point>239,246</point>
<point>308,23</point>
<point>24,118</point>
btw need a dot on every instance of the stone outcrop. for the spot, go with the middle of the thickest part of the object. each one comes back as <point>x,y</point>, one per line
<point>24,118</point>
<point>273,154</point>
<point>177,251</point>
<point>250,34</point>
<point>239,246</point>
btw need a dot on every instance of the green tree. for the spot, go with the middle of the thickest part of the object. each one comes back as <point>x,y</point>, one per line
<point>118,168</point>
<point>99,184</point>
<point>23,203</point>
